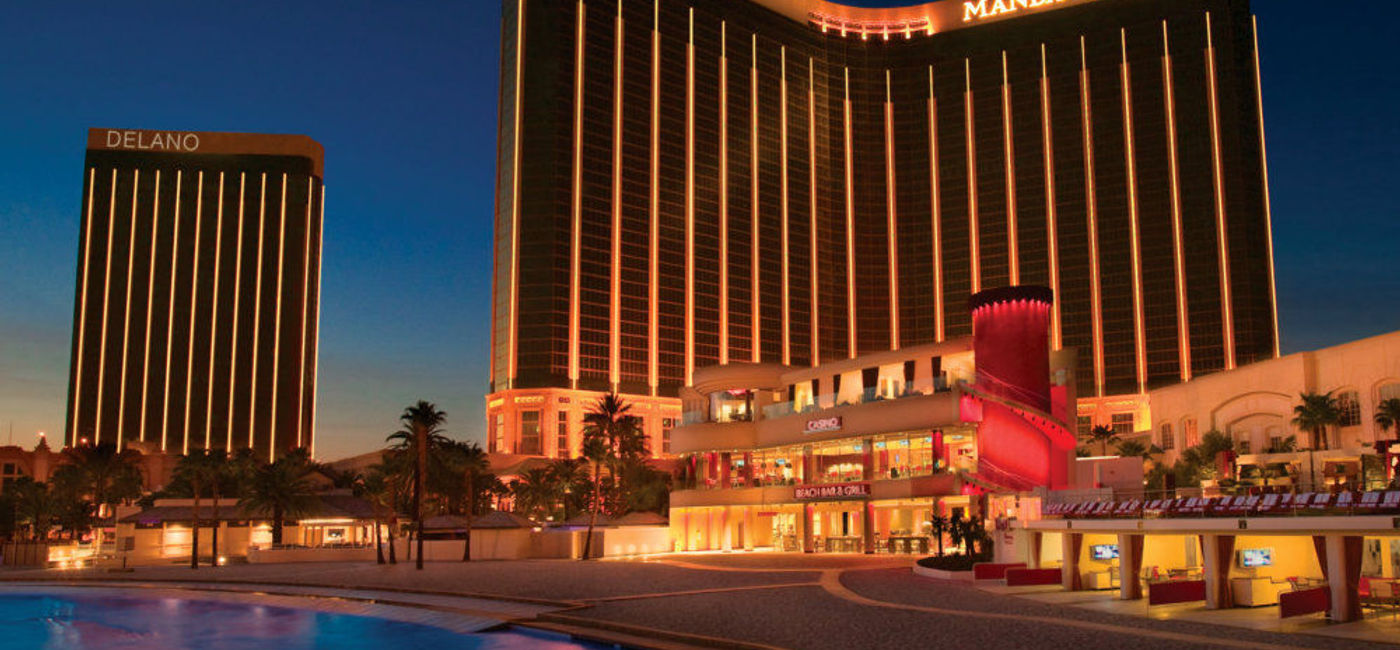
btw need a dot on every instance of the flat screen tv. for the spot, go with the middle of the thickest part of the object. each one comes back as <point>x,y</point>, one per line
<point>1104,551</point>
<point>1256,557</point>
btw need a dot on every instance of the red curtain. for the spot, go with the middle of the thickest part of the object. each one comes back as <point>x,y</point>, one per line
<point>1076,544</point>
<point>1135,545</point>
<point>1351,550</point>
<point>1320,546</point>
<point>1035,550</point>
<point>1224,555</point>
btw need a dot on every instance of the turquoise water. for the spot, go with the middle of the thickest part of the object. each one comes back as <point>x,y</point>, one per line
<point>62,621</point>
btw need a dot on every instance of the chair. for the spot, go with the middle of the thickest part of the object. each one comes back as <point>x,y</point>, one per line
<point>1383,597</point>
<point>1369,503</point>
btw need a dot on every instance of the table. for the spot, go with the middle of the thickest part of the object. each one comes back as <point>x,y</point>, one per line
<point>907,544</point>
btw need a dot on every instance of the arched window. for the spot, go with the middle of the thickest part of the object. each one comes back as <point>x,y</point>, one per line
<point>1190,436</point>
<point>1165,438</point>
<point>1349,409</point>
<point>1389,391</point>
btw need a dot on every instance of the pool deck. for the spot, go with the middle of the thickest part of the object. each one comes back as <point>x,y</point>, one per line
<point>747,600</point>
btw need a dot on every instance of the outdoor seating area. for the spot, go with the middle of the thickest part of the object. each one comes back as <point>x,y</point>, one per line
<point>1257,505</point>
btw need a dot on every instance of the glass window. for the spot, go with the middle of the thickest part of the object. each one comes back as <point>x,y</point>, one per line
<point>498,441</point>
<point>735,405</point>
<point>777,466</point>
<point>1086,425</point>
<point>1165,439</point>
<point>1122,423</point>
<point>666,425</point>
<point>529,433</point>
<point>839,462</point>
<point>1191,436</point>
<point>1390,391</point>
<point>562,445</point>
<point>1348,409</point>
<point>903,455</point>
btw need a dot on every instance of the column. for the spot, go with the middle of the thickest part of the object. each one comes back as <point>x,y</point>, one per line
<point>1344,577</point>
<point>1129,566</point>
<point>1218,551</point>
<point>1069,569</point>
<point>868,459</point>
<point>867,523</point>
<point>750,525</point>
<point>809,466</point>
<point>1036,540</point>
<point>726,528</point>
<point>680,529</point>
<point>748,469</point>
<point>725,462</point>
<point>806,525</point>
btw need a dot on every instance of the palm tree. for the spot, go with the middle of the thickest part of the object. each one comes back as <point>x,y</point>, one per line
<point>422,428</point>
<point>34,506</point>
<point>1102,435</point>
<point>374,488</point>
<point>1136,449</point>
<point>535,492</point>
<point>595,449</point>
<point>1283,445</point>
<point>957,532</point>
<point>279,490</point>
<point>199,471</point>
<point>471,462</point>
<point>104,474</point>
<point>1315,414</point>
<point>938,524</point>
<point>1388,415</point>
<point>571,475</point>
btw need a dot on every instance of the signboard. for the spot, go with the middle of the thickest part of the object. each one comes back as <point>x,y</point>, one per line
<point>979,9</point>
<point>841,491</point>
<point>820,425</point>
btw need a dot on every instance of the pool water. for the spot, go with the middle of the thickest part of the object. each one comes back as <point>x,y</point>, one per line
<point>70,619</point>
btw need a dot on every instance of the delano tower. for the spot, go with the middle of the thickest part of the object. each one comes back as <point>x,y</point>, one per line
<point>686,183</point>
<point>195,321</point>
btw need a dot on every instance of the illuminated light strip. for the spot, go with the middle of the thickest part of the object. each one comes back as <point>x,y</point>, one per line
<point>1222,233</point>
<point>1264,162</point>
<point>783,184</point>
<point>82,312</point>
<point>1130,150</point>
<point>1093,217</point>
<point>257,313</point>
<point>1013,247</point>
<point>690,201</point>
<point>170,318</point>
<point>723,195</point>
<point>850,224</point>
<point>515,200</point>
<point>106,297</point>
<point>974,243</point>
<point>812,198</point>
<point>757,332</point>
<point>214,317</point>
<point>1183,330</point>
<point>316,347</point>
<point>305,299</point>
<point>237,290</point>
<point>937,205</point>
<point>126,310</point>
<point>194,306</point>
<point>150,299</point>
<point>577,209</point>
<point>615,265</point>
<point>891,211</point>
<point>277,323</point>
<point>654,250</point>
<point>1056,335</point>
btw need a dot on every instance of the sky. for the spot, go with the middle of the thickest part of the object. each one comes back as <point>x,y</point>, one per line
<point>403,97</point>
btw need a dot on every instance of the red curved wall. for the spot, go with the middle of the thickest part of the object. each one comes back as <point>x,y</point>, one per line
<point>1011,341</point>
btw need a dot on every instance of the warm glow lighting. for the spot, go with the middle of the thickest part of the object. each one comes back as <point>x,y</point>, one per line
<point>653,217</point>
<point>214,318</point>
<point>194,305</point>
<point>170,317</point>
<point>1183,331</point>
<point>1095,298</point>
<point>812,197</point>
<point>237,288</point>
<point>1139,331</point>
<point>577,208</point>
<point>723,195</point>
<point>1013,248</point>
<point>1221,232</point>
<point>1264,163</point>
<point>106,295</point>
<point>974,245</point>
<point>755,330</point>
<point>936,201</point>
<point>277,324</point>
<point>305,301</point>
<point>690,201</point>
<point>515,196</point>
<point>126,311</point>
<point>257,311</point>
<point>891,212</point>
<point>150,300</point>
<point>1051,225</point>
<point>316,346</point>
<point>850,223</point>
<point>783,199</point>
<point>615,265</point>
<point>82,303</point>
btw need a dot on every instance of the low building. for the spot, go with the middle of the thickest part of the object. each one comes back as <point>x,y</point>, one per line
<point>40,463</point>
<point>856,455</point>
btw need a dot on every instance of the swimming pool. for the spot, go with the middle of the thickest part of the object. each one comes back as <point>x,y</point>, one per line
<point>63,618</point>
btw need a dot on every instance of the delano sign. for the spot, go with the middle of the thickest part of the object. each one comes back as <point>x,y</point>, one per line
<point>152,140</point>
<point>981,9</point>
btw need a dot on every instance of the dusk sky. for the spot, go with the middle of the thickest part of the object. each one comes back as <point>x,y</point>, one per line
<point>403,97</point>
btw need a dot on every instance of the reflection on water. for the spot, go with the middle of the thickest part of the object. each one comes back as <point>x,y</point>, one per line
<point>67,622</point>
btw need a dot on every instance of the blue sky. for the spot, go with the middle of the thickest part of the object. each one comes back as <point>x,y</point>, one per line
<point>403,97</point>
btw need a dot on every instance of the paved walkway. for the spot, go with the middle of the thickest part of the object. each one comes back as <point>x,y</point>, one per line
<point>739,600</point>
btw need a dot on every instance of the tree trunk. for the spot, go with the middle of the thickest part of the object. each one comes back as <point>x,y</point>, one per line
<point>471,511</point>
<point>393,554</point>
<point>194,537</point>
<point>277,526</point>
<point>593,512</point>
<point>378,542</point>
<point>214,539</point>
<point>420,482</point>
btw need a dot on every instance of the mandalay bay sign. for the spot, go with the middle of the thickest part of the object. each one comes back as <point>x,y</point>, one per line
<point>980,9</point>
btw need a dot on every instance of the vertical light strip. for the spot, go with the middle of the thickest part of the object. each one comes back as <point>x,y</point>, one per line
<point>1221,229</point>
<point>723,195</point>
<point>150,300</point>
<point>515,199</point>
<point>214,318</point>
<point>654,217</point>
<point>316,346</point>
<point>106,298</point>
<point>850,224</point>
<point>277,323</point>
<point>615,263</point>
<point>757,329</point>
<point>78,358</point>
<point>237,291</point>
<point>812,209</point>
<point>194,307</point>
<point>936,202</point>
<point>1013,248</point>
<point>1051,218</point>
<point>974,237</point>
<point>1096,299</point>
<point>305,301</point>
<point>170,317</point>
<point>891,214</point>
<point>257,314</point>
<point>577,208</point>
<point>126,311</point>
<point>1183,329</point>
<point>1130,150</point>
<point>1264,165</point>
<point>690,200</point>
<point>784,198</point>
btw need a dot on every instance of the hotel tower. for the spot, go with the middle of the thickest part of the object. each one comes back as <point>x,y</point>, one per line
<point>684,184</point>
<point>195,321</point>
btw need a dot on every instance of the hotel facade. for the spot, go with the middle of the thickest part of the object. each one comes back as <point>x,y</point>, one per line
<point>797,182</point>
<point>197,307</point>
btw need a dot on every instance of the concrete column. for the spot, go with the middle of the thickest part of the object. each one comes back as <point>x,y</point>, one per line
<point>1341,565</point>
<point>750,526</point>
<point>726,530</point>
<point>806,529</point>
<point>868,459</point>
<point>725,461</point>
<point>1217,572</point>
<point>867,525</point>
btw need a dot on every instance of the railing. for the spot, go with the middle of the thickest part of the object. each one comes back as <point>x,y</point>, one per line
<point>817,404</point>
<point>1307,504</point>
